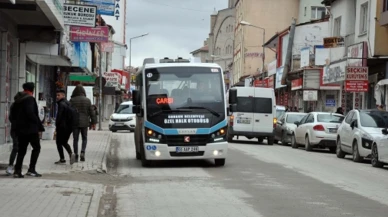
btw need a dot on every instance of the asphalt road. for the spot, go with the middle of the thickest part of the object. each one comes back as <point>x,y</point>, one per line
<point>257,180</point>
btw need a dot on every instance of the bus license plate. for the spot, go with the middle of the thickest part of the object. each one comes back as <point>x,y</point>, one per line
<point>187,149</point>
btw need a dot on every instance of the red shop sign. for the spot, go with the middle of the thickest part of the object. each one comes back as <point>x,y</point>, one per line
<point>356,86</point>
<point>297,84</point>
<point>261,83</point>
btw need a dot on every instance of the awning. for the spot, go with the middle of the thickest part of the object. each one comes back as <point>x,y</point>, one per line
<point>49,60</point>
<point>82,78</point>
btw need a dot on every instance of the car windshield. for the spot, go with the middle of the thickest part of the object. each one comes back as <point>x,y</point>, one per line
<point>292,118</point>
<point>170,88</point>
<point>124,109</point>
<point>329,118</point>
<point>377,119</point>
<point>280,112</point>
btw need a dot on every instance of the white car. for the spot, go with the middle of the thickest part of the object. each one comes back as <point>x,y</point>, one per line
<point>123,118</point>
<point>358,131</point>
<point>380,150</point>
<point>317,130</point>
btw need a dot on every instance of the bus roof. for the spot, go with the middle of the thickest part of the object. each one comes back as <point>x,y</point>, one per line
<point>159,65</point>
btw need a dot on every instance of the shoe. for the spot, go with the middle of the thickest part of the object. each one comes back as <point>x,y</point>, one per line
<point>18,175</point>
<point>72,158</point>
<point>9,170</point>
<point>82,156</point>
<point>76,158</point>
<point>60,162</point>
<point>33,174</point>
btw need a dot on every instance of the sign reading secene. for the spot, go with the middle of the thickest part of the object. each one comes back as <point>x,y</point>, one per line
<point>186,119</point>
<point>164,100</point>
<point>79,15</point>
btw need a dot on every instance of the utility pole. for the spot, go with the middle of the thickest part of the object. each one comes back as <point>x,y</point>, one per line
<point>100,92</point>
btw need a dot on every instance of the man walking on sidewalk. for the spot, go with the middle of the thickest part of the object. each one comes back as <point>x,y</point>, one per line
<point>28,126</point>
<point>64,127</point>
<point>86,115</point>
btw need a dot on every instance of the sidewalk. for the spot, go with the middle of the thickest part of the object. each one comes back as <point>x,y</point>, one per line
<point>98,144</point>
<point>39,197</point>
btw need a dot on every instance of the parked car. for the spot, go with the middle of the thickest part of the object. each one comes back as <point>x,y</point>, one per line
<point>280,110</point>
<point>285,126</point>
<point>317,130</point>
<point>380,150</point>
<point>123,118</point>
<point>358,131</point>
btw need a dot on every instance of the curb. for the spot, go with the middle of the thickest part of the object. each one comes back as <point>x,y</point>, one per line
<point>106,151</point>
<point>95,202</point>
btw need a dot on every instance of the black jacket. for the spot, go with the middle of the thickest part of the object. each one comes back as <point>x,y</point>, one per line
<point>61,119</point>
<point>25,115</point>
<point>84,107</point>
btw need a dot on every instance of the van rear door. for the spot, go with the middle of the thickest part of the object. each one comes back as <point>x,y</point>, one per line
<point>264,110</point>
<point>243,118</point>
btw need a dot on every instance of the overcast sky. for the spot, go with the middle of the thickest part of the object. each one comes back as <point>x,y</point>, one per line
<point>175,27</point>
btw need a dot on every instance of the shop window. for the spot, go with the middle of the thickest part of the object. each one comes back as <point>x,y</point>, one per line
<point>318,13</point>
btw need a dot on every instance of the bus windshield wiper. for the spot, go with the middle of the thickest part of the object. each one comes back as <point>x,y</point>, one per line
<point>167,111</point>
<point>201,107</point>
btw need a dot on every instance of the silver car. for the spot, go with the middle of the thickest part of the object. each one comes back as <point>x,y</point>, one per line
<point>285,126</point>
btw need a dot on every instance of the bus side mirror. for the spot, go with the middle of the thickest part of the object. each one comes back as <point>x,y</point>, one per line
<point>232,96</point>
<point>233,108</point>
<point>135,97</point>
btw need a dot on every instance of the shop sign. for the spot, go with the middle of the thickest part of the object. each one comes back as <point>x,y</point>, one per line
<point>272,68</point>
<point>354,73</point>
<point>271,82</point>
<point>107,47</point>
<point>279,74</point>
<point>117,9</point>
<point>334,73</point>
<point>330,103</point>
<point>254,54</point>
<point>104,7</point>
<point>297,84</point>
<point>79,15</point>
<point>310,95</point>
<point>356,86</point>
<point>113,79</point>
<point>261,83</point>
<point>323,86</point>
<point>332,42</point>
<point>89,34</point>
<point>356,54</point>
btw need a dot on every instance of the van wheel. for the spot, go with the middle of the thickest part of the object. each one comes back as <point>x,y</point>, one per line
<point>230,138</point>
<point>275,141</point>
<point>260,140</point>
<point>270,140</point>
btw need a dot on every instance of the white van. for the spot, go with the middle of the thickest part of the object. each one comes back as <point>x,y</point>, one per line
<point>123,118</point>
<point>255,114</point>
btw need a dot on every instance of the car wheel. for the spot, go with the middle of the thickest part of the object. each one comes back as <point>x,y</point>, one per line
<point>293,142</point>
<point>275,141</point>
<point>375,157</point>
<point>114,131</point>
<point>219,162</point>
<point>307,143</point>
<point>338,151</point>
<point>356,153</point>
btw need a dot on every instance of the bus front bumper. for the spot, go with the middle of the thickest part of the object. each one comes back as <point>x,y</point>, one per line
<point>158,151</point>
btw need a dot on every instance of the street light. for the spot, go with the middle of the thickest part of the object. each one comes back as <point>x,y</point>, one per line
<point>245,23</point>
<point>130,48</point>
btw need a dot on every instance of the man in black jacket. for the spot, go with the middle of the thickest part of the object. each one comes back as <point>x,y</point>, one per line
<point>27,127</point>
<point>63,128</point>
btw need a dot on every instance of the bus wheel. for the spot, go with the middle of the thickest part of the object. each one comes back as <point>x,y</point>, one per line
<point>219,162</point>
<point>138,155</point>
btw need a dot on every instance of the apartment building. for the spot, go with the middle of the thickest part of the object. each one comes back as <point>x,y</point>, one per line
<point>267,17</point>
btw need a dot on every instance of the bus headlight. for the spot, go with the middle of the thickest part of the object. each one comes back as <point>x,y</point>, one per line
<point>219,135</point>
<point>153,136</point>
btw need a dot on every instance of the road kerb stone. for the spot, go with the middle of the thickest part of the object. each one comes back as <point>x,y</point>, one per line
<point>105,158</point>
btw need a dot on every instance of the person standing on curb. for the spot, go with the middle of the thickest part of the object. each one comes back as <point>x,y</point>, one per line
<point>86,115</point>
<point>64,127</point>
<point>15,145</point>
<point>27,128</point>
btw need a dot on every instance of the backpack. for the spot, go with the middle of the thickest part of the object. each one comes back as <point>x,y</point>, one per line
<point>72,116</point>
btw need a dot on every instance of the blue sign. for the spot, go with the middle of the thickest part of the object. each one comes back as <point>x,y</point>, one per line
<point>104,7</point>
<point>330,102</point>
<point>148,147</point>
<point>154,147</point>
<point>80,54</point>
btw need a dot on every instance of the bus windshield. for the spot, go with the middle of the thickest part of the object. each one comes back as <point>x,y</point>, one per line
<point>172,88</point>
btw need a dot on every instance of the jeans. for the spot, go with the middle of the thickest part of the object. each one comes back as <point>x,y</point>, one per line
<point>62,139</point>
<point>15,148</point>
<point>24,140</point>
<point>84,134</point>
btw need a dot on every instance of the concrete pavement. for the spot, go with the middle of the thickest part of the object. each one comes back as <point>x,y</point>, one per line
<point>257,180</point>
<point>49,197</point>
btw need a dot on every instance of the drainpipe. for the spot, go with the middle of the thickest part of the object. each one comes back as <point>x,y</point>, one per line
<point>287,64</point>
